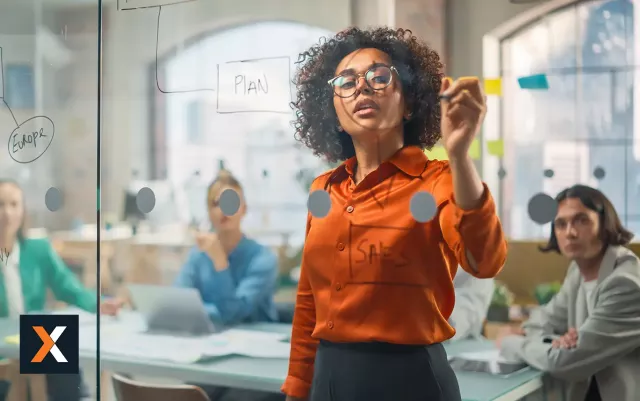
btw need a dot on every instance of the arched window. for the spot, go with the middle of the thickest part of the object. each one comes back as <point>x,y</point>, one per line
<point>580,130</point>
<point>192,139</point>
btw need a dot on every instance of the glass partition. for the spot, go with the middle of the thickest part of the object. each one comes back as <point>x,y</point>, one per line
<point>195,91</point>
<point>581,130</point>
<point>48,197</point>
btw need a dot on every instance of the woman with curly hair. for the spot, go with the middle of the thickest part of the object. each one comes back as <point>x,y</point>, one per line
<point>375,289</point>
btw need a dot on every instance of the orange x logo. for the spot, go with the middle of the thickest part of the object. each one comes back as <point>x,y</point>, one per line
<point>47,344</point>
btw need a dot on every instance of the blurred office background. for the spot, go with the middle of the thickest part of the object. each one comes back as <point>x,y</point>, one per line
<point>583,129</point>
<point>160,128</point>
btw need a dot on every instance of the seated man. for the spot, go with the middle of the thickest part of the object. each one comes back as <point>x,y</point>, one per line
<point>473,297</point>
<point>589,334</point>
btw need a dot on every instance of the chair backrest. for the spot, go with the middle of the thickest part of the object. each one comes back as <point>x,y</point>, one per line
<point>130,390</point>
<point>5,366</point>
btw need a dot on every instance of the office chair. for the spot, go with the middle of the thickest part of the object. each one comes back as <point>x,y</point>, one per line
<point>130,390</point>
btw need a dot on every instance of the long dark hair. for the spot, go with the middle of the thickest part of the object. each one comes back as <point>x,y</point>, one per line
<point>611,230</point>
<point>23,225</point>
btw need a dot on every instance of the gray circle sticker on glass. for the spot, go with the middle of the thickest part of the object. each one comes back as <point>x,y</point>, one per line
<point>423,207</point>
<point>229,202</point>
<point>502,173</point>
<point>598,173</point>
<point>542,208</point>
<point>319,203</point>
<point>145,200</point>
<point>53,199</point>
<point>548,173</point>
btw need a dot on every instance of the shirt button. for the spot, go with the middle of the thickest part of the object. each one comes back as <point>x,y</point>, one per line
<point>349,209</point>
<point>341,246</point>
<point>330,324</point>
<point>338,286</point>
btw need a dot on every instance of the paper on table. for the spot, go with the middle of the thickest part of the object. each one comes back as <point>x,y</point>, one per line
<point>484,356</point>
<point>262,349</point>
<point>255,344</point>
<point>233,334</point>
<point>84,317</point>
<point>165,347</point>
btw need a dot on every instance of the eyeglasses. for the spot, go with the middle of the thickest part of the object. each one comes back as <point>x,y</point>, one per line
<point>377,78</point>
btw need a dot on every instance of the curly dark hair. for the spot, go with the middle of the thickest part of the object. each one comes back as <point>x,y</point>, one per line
<point>420,71</point>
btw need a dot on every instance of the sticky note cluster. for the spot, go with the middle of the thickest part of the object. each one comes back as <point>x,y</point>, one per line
<point>439,153</point>
<point>496,147</point>
<point>493,86</point>
<point>538,81</point>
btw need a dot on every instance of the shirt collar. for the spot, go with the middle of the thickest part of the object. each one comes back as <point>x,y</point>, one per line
<point>14,256</point>
<point>411,160</point>
<point>240,249</point>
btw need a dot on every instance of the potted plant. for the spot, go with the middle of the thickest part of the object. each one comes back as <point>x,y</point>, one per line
<point>544,292</point>
<point>500,304</point>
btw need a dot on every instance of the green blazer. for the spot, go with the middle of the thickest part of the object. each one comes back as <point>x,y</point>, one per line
<point>40,269</point>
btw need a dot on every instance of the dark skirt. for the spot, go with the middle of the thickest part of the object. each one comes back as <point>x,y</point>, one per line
<point>382,372</point>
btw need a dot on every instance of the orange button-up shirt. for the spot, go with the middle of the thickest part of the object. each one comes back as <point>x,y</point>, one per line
<point>371,272</point>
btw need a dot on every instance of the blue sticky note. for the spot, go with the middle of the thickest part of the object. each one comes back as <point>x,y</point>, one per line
<point>538,81</point>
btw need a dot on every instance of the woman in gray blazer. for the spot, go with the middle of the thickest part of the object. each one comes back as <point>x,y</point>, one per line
<point>589,334</point>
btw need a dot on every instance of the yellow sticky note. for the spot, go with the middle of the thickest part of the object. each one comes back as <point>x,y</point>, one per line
<point>437,153</point>
<point>493,86</point>
<point>15,340</point>
<point>496,147</point>
<point>474,150</point>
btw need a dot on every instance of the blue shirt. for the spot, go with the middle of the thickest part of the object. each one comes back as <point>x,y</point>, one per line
<point>243,292</point>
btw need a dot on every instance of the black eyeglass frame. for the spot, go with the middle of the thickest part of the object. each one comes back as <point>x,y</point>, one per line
<point>363,75</point>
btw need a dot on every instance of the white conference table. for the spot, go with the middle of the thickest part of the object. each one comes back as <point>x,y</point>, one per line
<point>268,374</point>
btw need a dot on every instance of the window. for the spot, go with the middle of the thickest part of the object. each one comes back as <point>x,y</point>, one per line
<point>257,147</point>
<point>581,130</point>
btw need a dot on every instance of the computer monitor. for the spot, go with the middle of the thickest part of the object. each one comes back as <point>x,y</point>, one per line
<point>131,211</point>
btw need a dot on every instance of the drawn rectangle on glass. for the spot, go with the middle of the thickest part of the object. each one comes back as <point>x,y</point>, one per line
<point>1,76</point>
<point>135,4</point>
<point>258,85</point>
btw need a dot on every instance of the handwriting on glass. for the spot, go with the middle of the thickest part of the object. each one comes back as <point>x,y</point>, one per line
<point>257,85</point>
<point>246,86</point>
<point>31,139</point>
<point>4,255</point>
<point>376,252</point>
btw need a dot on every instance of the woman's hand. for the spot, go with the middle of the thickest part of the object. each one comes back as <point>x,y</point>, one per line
<point>110,307</point>
<point>209,243</point>
<point>463,107</point>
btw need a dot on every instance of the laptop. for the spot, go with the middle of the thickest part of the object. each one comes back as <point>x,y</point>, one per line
<point>171,310</point>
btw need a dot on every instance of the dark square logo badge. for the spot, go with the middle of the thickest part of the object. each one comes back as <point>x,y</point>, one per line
<point>49,344</point>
